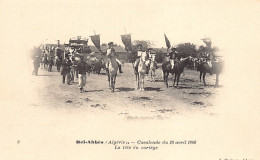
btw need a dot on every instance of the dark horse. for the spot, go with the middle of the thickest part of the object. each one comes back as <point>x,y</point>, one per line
<point>166,69</point>
<point>177,70</point>
<point>204,68</point>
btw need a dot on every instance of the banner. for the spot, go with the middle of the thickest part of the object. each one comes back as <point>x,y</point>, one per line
<point>207,41</point>
<point>126,39</point>
<point>96,41</point>
<point>168,44</point>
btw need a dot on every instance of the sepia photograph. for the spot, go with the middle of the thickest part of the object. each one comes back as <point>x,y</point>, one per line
<point>130,80</point>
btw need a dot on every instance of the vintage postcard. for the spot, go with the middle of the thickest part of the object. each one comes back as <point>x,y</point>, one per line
<point>130,80</point>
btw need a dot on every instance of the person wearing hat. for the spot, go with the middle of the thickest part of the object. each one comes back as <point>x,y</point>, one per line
<point>82,70</point>
<point>173,56</point>
<point>111,53</point>
<point>139,54</point>
<point>65,72</point>
<point>36,64</point>
<point>152,55</point>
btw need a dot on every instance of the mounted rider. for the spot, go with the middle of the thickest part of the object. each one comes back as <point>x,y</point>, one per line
<point>139,54</point>
<point>173,56</point>
<point>151,56</point>
<point>210,57</point>
<point>209,51</point>
<point>111,53</point>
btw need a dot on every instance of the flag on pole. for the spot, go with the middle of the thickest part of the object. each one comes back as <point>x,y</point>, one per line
<point>168,44</point>
<point>126,39</point>
<point>207,41</point>
<point>96,41</point>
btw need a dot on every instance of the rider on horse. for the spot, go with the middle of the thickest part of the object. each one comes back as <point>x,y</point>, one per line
<point>173,56</point>
<point>151,56</point>
<point>210,57</point>
<point>111,53</point>
<point>139,54</point>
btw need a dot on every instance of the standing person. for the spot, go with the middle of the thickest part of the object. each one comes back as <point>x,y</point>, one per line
<point>82,70</point>
<point>45,62</point>
<point>36,65</point>
<point>42,60</point>
<point>65,72</point>
<point>58,63</point>
<point>51,63</point>
<point>73,69</point>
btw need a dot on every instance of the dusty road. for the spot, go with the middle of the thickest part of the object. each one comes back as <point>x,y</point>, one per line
<point>156,102</point>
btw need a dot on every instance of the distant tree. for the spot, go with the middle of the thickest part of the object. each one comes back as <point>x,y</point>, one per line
<point>146,44</point>
<point>103,44</point>
<point>187,49</point>
<point>132,55</point>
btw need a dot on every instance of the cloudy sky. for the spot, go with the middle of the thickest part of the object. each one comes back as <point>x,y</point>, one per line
<point>44,21</point>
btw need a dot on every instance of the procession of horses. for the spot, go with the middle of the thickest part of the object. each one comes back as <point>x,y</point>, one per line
<point>144,64</point>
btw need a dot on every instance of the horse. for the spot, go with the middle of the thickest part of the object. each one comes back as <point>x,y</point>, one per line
<point>166,69</point>
<point>112,72</point>
<point>97,65</point>
<point>153,67</point>
<point>141,71</point>
<point>203,68</point>
<point>178,69</point>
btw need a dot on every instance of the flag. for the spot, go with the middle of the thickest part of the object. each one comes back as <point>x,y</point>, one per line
<point>168,44</point>
<point>126,39</point>
<point>96,41</point>
<point>207,41</point>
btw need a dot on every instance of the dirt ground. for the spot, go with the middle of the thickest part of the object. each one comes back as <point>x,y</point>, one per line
<point>156,101</point>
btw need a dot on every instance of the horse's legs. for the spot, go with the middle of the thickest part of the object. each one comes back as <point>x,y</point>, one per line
<point>216,84</point>
<point>151,75</point>
<point>204,75</point>
<point>178,78</point>
<point>153,71</point>
<point>114,83</point>
<point>142,82</point>
<point>109,81</point>
<point>200,75</point>
<point>163,75</point>
<point>137,80</point>
<point>175,77</point>
<point>166,78</point>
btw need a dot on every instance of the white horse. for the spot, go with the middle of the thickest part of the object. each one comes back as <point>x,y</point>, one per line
<point>142,70</point>
<point>112,72</point>
<point>153,67</point>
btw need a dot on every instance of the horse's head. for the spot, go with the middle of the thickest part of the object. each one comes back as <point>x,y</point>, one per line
<point>143,57</point>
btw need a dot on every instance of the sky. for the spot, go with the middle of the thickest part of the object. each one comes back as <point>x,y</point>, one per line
<point>44,21</point>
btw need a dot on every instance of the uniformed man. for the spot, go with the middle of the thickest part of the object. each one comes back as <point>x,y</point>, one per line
<point>111,53</point>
